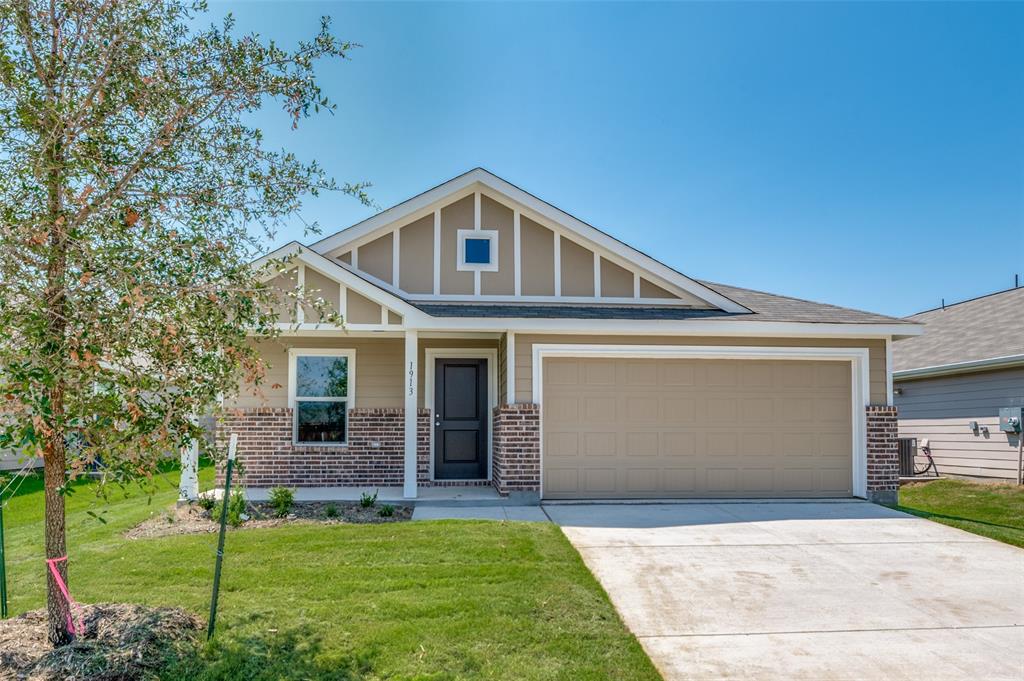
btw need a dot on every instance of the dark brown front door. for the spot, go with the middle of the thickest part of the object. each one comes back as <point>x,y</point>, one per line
<point>460,419</point>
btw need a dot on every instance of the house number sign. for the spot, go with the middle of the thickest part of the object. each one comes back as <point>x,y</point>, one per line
<point>412,378</point>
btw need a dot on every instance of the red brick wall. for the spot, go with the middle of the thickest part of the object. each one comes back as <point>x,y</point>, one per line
<point>516,463</point>
<point>883,454</point>
<point>269,458</point>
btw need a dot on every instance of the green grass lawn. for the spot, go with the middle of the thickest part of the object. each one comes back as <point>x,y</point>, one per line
<point>995,511</point>
<point>423,600</point>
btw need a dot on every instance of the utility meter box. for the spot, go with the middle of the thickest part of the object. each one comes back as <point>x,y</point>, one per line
<point>1010,419</point>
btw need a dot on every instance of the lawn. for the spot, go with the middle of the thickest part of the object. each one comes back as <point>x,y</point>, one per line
<point>417,600</point>
<point>995,511</point>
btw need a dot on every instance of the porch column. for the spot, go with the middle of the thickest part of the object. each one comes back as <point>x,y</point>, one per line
<point>411,407</point>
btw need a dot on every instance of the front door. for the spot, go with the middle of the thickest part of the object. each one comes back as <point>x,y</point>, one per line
<point>460,419</point>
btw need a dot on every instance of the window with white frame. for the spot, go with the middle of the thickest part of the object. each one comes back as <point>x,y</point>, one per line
<point>321,391</point>
<point>478,250</point>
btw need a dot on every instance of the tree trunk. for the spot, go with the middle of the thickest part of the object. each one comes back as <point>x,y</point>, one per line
<point>54,476</point>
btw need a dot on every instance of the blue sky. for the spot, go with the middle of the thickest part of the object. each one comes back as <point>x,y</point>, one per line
<point>868,155</point>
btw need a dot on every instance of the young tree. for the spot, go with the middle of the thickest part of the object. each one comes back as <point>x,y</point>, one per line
<point>132,191</point>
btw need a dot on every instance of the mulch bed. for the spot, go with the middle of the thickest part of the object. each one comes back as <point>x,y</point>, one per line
<point>120,641</point>
<point>191,519</point>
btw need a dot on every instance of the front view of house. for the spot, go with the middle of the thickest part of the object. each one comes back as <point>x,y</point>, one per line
<point>492,339</point>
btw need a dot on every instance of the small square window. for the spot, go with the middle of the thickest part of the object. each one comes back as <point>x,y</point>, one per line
<point>478,251</point>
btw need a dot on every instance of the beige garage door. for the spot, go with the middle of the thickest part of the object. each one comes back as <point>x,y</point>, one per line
<point>663,428</point>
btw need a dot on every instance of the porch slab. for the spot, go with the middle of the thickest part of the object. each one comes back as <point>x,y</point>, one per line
<point>517,513</point>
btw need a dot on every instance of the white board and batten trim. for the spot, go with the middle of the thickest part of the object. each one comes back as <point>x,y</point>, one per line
<point>350,397</point>
<point>857,357</point>
<point>489,354</point>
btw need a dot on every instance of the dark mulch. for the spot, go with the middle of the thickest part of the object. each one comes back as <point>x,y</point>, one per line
<point>121,642</point>
<point>191,519</point>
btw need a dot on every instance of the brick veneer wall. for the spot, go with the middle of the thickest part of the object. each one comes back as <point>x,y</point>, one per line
<point>516,454</point>
<point>883,454</point>
<point>269,458</point>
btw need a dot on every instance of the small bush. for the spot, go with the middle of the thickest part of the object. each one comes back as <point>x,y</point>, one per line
<point>331,511</point>
<point>236,510</point>
<point>207,503</point>
<point>386,511</point>
<point>367,501</point>
<point>282,498</point>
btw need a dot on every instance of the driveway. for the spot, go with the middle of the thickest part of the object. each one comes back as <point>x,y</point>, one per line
<point>820,590</point>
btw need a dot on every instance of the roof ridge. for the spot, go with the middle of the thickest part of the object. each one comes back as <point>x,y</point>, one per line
<point>967,300</point>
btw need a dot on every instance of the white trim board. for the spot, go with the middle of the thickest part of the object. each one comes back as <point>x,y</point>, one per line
<point>489,354</point>
<point>479,180</point>
<point>859,380</point>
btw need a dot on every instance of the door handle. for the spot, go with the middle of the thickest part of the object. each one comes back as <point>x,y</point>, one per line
<point>437,424</point>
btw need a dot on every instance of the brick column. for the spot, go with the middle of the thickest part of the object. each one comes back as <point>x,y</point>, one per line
<point>883,454</point>
<point>516,451</point>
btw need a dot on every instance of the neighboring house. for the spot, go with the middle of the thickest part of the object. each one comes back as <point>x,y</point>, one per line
<point>492,339</point>
<point>968,364</point>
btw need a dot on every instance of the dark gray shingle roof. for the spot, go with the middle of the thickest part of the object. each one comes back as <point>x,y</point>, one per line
<point>523,311</point>
<point>770,307</point>
<point>982,328</point>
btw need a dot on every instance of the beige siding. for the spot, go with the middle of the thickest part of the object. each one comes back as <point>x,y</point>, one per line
<point>577,269</point>
<point>649,290</point>
<point>416,256</point>
<point>496,216</point>
<point>325,288</point>
<point>538,259</point>
<point>455,216</point>
<point>376,257</point>
<point>394,317</point>
<point>525,342</point>
<point>362,310</point>
<point>378,370</point>
<point>285,308</point>
<point>616,282</point>
<point>346,257</point>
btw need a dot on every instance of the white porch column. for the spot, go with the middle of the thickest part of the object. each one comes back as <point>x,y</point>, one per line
<point>411,399</point>
<point>188,487</point>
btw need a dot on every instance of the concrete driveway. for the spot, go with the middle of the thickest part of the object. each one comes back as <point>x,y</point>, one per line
<point>820,590</point>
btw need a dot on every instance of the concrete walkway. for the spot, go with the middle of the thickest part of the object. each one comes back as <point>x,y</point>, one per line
<point>528,513</point>
<point>815,591</point>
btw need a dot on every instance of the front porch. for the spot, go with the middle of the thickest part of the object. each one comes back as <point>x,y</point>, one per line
<point>387,447</point>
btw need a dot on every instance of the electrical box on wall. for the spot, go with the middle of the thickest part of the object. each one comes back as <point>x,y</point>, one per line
<point>1010,419</point>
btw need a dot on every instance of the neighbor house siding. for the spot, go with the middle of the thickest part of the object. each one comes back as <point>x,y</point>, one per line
<point>525,343</point>
<point>941,408</point>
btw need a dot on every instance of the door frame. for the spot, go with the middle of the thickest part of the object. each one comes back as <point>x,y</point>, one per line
<point>860,379</point>
<point>489,354</point>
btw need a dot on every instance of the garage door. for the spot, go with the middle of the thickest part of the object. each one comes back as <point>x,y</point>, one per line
<point>664,428</point>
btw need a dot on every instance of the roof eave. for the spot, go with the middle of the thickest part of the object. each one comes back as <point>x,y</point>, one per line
<point>988,364</point>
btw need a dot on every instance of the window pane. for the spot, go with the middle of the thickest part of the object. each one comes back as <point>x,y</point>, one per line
<point>321,376</point>
<point>478,251</point>
<point>321,422</point>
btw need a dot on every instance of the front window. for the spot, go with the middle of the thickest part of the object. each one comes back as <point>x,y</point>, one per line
<point>322,395</point>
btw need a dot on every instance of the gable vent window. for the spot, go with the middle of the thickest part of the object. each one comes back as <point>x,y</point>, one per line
<point>478,250</point>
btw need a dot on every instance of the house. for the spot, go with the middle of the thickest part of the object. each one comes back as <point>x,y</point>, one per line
<point>952,382</point>
<point>494,340</point>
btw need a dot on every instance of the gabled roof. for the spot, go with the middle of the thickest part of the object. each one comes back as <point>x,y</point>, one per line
<point>979,333</point>
<point>386,219</point>
<point>770,307</point>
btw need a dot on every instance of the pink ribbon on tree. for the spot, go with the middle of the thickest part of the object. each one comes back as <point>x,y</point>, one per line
<point>52,563</point>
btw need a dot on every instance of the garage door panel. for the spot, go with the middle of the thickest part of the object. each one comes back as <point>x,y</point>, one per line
<point>617,428</point>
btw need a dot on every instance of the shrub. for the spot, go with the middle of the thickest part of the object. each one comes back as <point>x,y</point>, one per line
<point>331,511</point>
<point>236,510</point>
<point>386,511</point>
<point>282,498</point>
<point>367,501</point>
<point>207,503</point>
